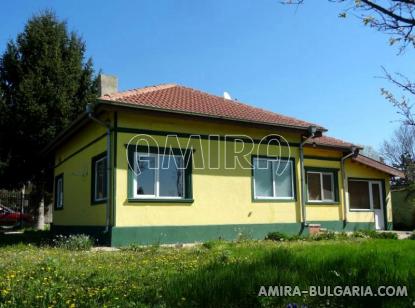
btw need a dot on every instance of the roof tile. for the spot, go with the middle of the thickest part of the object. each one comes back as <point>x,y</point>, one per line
<point>177,98</point>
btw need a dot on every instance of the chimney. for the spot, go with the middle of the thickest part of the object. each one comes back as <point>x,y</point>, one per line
<point>107,84</point>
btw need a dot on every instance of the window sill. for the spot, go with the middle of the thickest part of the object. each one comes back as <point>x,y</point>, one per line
<point>334,203</point>
<point>160,200</point>
<point>362,211</point>
<point>274,200</point>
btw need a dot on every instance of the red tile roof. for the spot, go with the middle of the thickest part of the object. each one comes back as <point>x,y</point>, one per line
<point>176,98</point>
<point>378,165</point>
<point>331,142</point>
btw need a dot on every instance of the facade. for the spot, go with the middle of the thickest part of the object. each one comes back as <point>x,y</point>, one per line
<point>187,166</point>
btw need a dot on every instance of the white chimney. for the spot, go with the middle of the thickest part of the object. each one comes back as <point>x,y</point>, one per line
<point>107,84</point>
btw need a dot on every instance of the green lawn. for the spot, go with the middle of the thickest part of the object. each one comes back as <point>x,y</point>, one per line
<point>216,275</point>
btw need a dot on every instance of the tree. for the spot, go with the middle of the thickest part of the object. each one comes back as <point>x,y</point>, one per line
<point>45,83</point>
<point>400,152</point>
<point>396,19</point>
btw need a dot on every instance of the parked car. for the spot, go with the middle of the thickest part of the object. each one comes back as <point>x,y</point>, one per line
<point>11,218</point>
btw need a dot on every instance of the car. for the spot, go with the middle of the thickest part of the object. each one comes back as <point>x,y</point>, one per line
<point>11,218</point>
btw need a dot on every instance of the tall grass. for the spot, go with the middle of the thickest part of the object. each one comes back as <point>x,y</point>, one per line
<point>219,274</point>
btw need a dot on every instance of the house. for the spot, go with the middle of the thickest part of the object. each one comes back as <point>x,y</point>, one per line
<point>169,164</point>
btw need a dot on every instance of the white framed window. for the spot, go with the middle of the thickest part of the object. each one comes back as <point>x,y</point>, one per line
<point>59,192</point>
<point>365,195</point>
<point>158,176</point>
<point>273,179</point>
<point>320,187</point>
<point>100,179</point>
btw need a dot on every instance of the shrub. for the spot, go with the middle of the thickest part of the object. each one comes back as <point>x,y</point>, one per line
<point>76,242</point>
<point>412,236</point>
<point>329,235</point>
<point>375,235</point>
<point>387,235</point>
<point>277,236</point>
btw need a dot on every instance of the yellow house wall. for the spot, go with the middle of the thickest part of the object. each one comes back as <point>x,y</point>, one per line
<point>77,209</point>
<point>225,196</point>
<point>220,196</point>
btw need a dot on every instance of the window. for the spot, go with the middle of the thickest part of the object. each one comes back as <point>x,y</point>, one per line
<point>273,178</point>
<point>160,176</point>
<point>59,192</point>
<point>320,186</point>
<point>99,178</point>
<point>364,195</point>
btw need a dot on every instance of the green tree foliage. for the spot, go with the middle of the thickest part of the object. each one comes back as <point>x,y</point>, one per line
<point>45,83</point>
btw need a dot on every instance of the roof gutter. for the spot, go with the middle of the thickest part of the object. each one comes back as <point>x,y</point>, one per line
<point>89,112</point>
<point>312,132</point>
<point>354,152</point>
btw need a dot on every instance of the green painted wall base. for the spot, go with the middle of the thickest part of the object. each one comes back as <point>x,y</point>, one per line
<point>123,236</point>
<point>96,232</point>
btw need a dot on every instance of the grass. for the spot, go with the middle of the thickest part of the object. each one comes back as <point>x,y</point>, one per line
<point>217,274</point>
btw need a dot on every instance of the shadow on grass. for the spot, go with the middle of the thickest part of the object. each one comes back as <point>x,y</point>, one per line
<point>36,238</point>
<point>230,281</point>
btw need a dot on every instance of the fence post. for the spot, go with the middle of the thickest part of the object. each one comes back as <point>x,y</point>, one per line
<point>21,207</point>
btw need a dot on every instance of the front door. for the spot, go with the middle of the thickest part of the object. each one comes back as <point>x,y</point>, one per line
<point>377,204</point>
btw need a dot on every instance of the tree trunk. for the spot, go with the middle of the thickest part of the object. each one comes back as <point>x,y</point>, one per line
<point>41,215</point>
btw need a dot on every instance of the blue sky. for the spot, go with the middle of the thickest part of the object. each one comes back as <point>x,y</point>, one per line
<point>303,62</point>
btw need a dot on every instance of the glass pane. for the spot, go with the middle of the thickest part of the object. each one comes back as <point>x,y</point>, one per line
<point>59,190</point>
<point>101,179</point>
<point>314,186</point>
<point>283,179</point>
<point>263,178</point>
<point>376,196</point>
<point>146,176</point>
<point>359,195</point>
<point>171,176</point>
<point>328,193</point>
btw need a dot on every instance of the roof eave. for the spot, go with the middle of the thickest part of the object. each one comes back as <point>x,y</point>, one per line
<point>141,107</point>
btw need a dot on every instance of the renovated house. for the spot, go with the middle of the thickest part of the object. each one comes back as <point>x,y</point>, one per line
<point>170,164</point>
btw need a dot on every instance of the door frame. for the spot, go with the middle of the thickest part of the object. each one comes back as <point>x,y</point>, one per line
<point>383,197</point>
<point>382,203</point>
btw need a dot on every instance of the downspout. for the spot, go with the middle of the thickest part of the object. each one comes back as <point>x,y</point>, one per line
<point>89,111</point>
<point>354,152</point>
<point>312,133</point>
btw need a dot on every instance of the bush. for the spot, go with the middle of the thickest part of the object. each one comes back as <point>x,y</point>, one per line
<point>277,236</point>
<point>76,242</point>
<point>321,236</point>
<point>412,236</point>
<point>375,235</point>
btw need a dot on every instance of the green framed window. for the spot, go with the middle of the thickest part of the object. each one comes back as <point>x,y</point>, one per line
<point>58,197</point>
<point>99,192</point>
<point>322,185</point>
<point>273,179</point>
<point>162,175</point>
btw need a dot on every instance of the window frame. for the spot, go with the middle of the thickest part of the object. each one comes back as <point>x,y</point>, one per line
<point>334,185</point>
<point>274,198</point>
<point>59,206</point>
<point>94,161</point>
<point>187,155</point>
<point>156,196</point>
<point>370,182</point>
